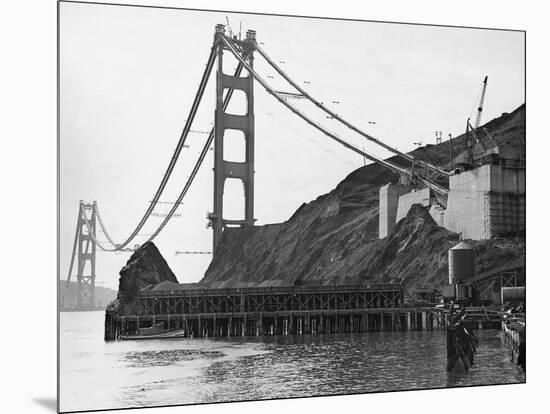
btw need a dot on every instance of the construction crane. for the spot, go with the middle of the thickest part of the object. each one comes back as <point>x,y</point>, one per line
<point>481,101</point>
<point>471,135</point>
<point>229,27</point>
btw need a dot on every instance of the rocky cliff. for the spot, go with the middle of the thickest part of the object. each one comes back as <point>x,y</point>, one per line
<point>334,239</point>
<point>146,267</point>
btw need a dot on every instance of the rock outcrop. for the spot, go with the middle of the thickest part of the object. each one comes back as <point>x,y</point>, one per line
<point>414,253</point>
<point>146,267</point>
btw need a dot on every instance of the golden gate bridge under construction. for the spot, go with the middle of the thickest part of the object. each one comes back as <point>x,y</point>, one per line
<point>415,173</point>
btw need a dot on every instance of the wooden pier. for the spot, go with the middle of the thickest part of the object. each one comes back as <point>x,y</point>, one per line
<point>514,336</point>
<point>296,310</point>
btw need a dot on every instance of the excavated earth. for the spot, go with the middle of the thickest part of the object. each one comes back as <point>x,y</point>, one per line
<point>334,239</point>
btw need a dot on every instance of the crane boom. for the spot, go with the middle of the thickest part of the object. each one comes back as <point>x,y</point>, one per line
<point>481,101</point>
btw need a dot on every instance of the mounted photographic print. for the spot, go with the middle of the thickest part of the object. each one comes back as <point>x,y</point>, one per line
<point>259,206</point>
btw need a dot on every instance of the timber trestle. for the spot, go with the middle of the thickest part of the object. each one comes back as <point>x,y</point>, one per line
<point>270,311</point>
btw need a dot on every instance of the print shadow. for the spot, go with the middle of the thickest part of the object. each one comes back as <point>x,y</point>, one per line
<point>49,403</point>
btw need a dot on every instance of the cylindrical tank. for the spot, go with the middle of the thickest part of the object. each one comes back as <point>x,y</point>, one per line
<point>462,263</point>
<point>512,294</point>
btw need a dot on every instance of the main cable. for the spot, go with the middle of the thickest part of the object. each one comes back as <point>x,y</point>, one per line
<point>202,156</point>
<point>343,121</point>
<point>103,226</point>
<point>73,254</point>
<point>173,160</point>
<point>190,180</point>
<point>92,235</point>
<point>325,131</point>
<point>385,163</point>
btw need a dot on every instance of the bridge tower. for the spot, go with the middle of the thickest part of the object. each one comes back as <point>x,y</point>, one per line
<point>224,121</point>
<point>85,277</point>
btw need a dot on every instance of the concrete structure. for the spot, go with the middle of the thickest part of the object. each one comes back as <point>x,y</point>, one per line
<point>406,201</point>
<point>487,201</point>
<point>438,214</point>
<point>484,202</point>
<point>388,205</point>
<point>395,202</point>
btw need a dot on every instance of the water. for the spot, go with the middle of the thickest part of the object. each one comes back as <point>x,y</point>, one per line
<point>96,374</point>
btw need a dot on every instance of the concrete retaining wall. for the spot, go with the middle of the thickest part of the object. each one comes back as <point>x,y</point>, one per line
<point>486,202</point>
<point>407,200</point>
<point>388,203</point>
<point>438,214</point>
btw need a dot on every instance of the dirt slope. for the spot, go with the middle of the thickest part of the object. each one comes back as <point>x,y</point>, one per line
<point>334,239</point>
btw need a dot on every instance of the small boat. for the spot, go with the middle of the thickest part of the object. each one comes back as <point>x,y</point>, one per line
<point>157,331</point>
<point>180,333</point>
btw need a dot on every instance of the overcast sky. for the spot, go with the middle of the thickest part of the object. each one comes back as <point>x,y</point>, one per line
<point>129,75</point>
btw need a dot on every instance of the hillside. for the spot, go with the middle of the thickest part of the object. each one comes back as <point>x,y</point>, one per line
<point>67,298</point>
<point>334,239</point>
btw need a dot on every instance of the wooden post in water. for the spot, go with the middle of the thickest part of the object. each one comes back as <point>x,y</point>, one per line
<point>110,326</point>
<point>424,321</point>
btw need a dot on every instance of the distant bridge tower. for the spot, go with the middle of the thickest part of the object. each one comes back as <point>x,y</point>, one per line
<point>85,277</point>
<point>224,121</point>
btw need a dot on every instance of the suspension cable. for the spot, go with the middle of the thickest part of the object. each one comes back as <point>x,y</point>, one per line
<point>175,156</point>
<point>92,235</point>
<point>201,158</point>
<point>190,180</point>
<point>343,121</point>
<point>332,135</point>
<point>385,163</point>
<point>103,226</point>
<point>73,254</point>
